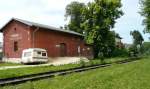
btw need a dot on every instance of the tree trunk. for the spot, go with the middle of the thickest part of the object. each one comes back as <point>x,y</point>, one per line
<point>96,50</point>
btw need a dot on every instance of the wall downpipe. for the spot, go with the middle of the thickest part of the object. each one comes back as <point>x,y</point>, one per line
<point>35,30</point>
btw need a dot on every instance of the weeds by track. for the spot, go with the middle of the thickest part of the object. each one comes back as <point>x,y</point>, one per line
<point>32,77</point>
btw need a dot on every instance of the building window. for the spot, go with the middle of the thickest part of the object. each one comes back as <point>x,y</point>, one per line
<point>15,46</point>
<point>14,29</point>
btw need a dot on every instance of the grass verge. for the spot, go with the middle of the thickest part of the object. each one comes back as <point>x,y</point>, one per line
<point>9,73</point>
<point>2,64</point>
<point>134,75</point>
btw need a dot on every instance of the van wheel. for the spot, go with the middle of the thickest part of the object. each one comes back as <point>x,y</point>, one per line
<point>22,63</point>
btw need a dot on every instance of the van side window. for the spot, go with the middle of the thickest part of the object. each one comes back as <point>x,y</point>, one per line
<point>38,52</point>
<point>43,54</point>
<point>15,46</point>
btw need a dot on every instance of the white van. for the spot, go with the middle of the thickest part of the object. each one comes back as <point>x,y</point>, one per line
<point>34,55</point>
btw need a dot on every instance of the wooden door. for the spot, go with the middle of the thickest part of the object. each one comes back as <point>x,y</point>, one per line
<point>63,50</point>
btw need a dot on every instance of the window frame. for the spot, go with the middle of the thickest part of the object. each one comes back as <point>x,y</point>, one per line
<point>16,48</point>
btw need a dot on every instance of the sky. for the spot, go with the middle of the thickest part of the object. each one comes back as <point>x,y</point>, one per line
<point>51,12</point>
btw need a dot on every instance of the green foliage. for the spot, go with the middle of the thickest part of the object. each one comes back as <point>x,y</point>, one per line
<point>101,57</point>
<point>82,63</point>
<point>146,48</point>
<point>120,52</point>
<point>111,44</point>
<point>74,11</point>
<point>133,51</point>
<point>145,11</point>
<point>99,18</point>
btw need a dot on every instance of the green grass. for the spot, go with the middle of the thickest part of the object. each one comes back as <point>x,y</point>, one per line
<point>33,70</point>
<point>8,64</point>
<point>134,75</point>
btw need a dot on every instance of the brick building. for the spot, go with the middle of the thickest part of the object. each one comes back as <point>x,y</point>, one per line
<point>20,34</point>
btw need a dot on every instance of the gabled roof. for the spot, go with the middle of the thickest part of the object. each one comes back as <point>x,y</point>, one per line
<point>43,26</point>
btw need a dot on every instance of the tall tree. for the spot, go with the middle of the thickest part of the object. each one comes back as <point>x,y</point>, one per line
<point>99,17</point>
<point>145,11</point>
<point>96,19</point>
<point>137,39</point>
<point>74,11</point>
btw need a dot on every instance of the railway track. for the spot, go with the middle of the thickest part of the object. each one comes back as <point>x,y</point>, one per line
<point>32,77</point>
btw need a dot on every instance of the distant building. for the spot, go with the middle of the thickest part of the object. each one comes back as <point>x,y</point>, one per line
<point>119,43</point>
<point>20,34</point>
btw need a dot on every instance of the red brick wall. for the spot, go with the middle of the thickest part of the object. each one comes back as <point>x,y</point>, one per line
<point>49,40</point>
<point>21,35</point>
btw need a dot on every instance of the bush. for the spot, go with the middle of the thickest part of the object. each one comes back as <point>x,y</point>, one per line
<point>83,64</point>
<point>146,48</point>
<point>133,51</point>
<point>120,52</point>
<point>101,57</point>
